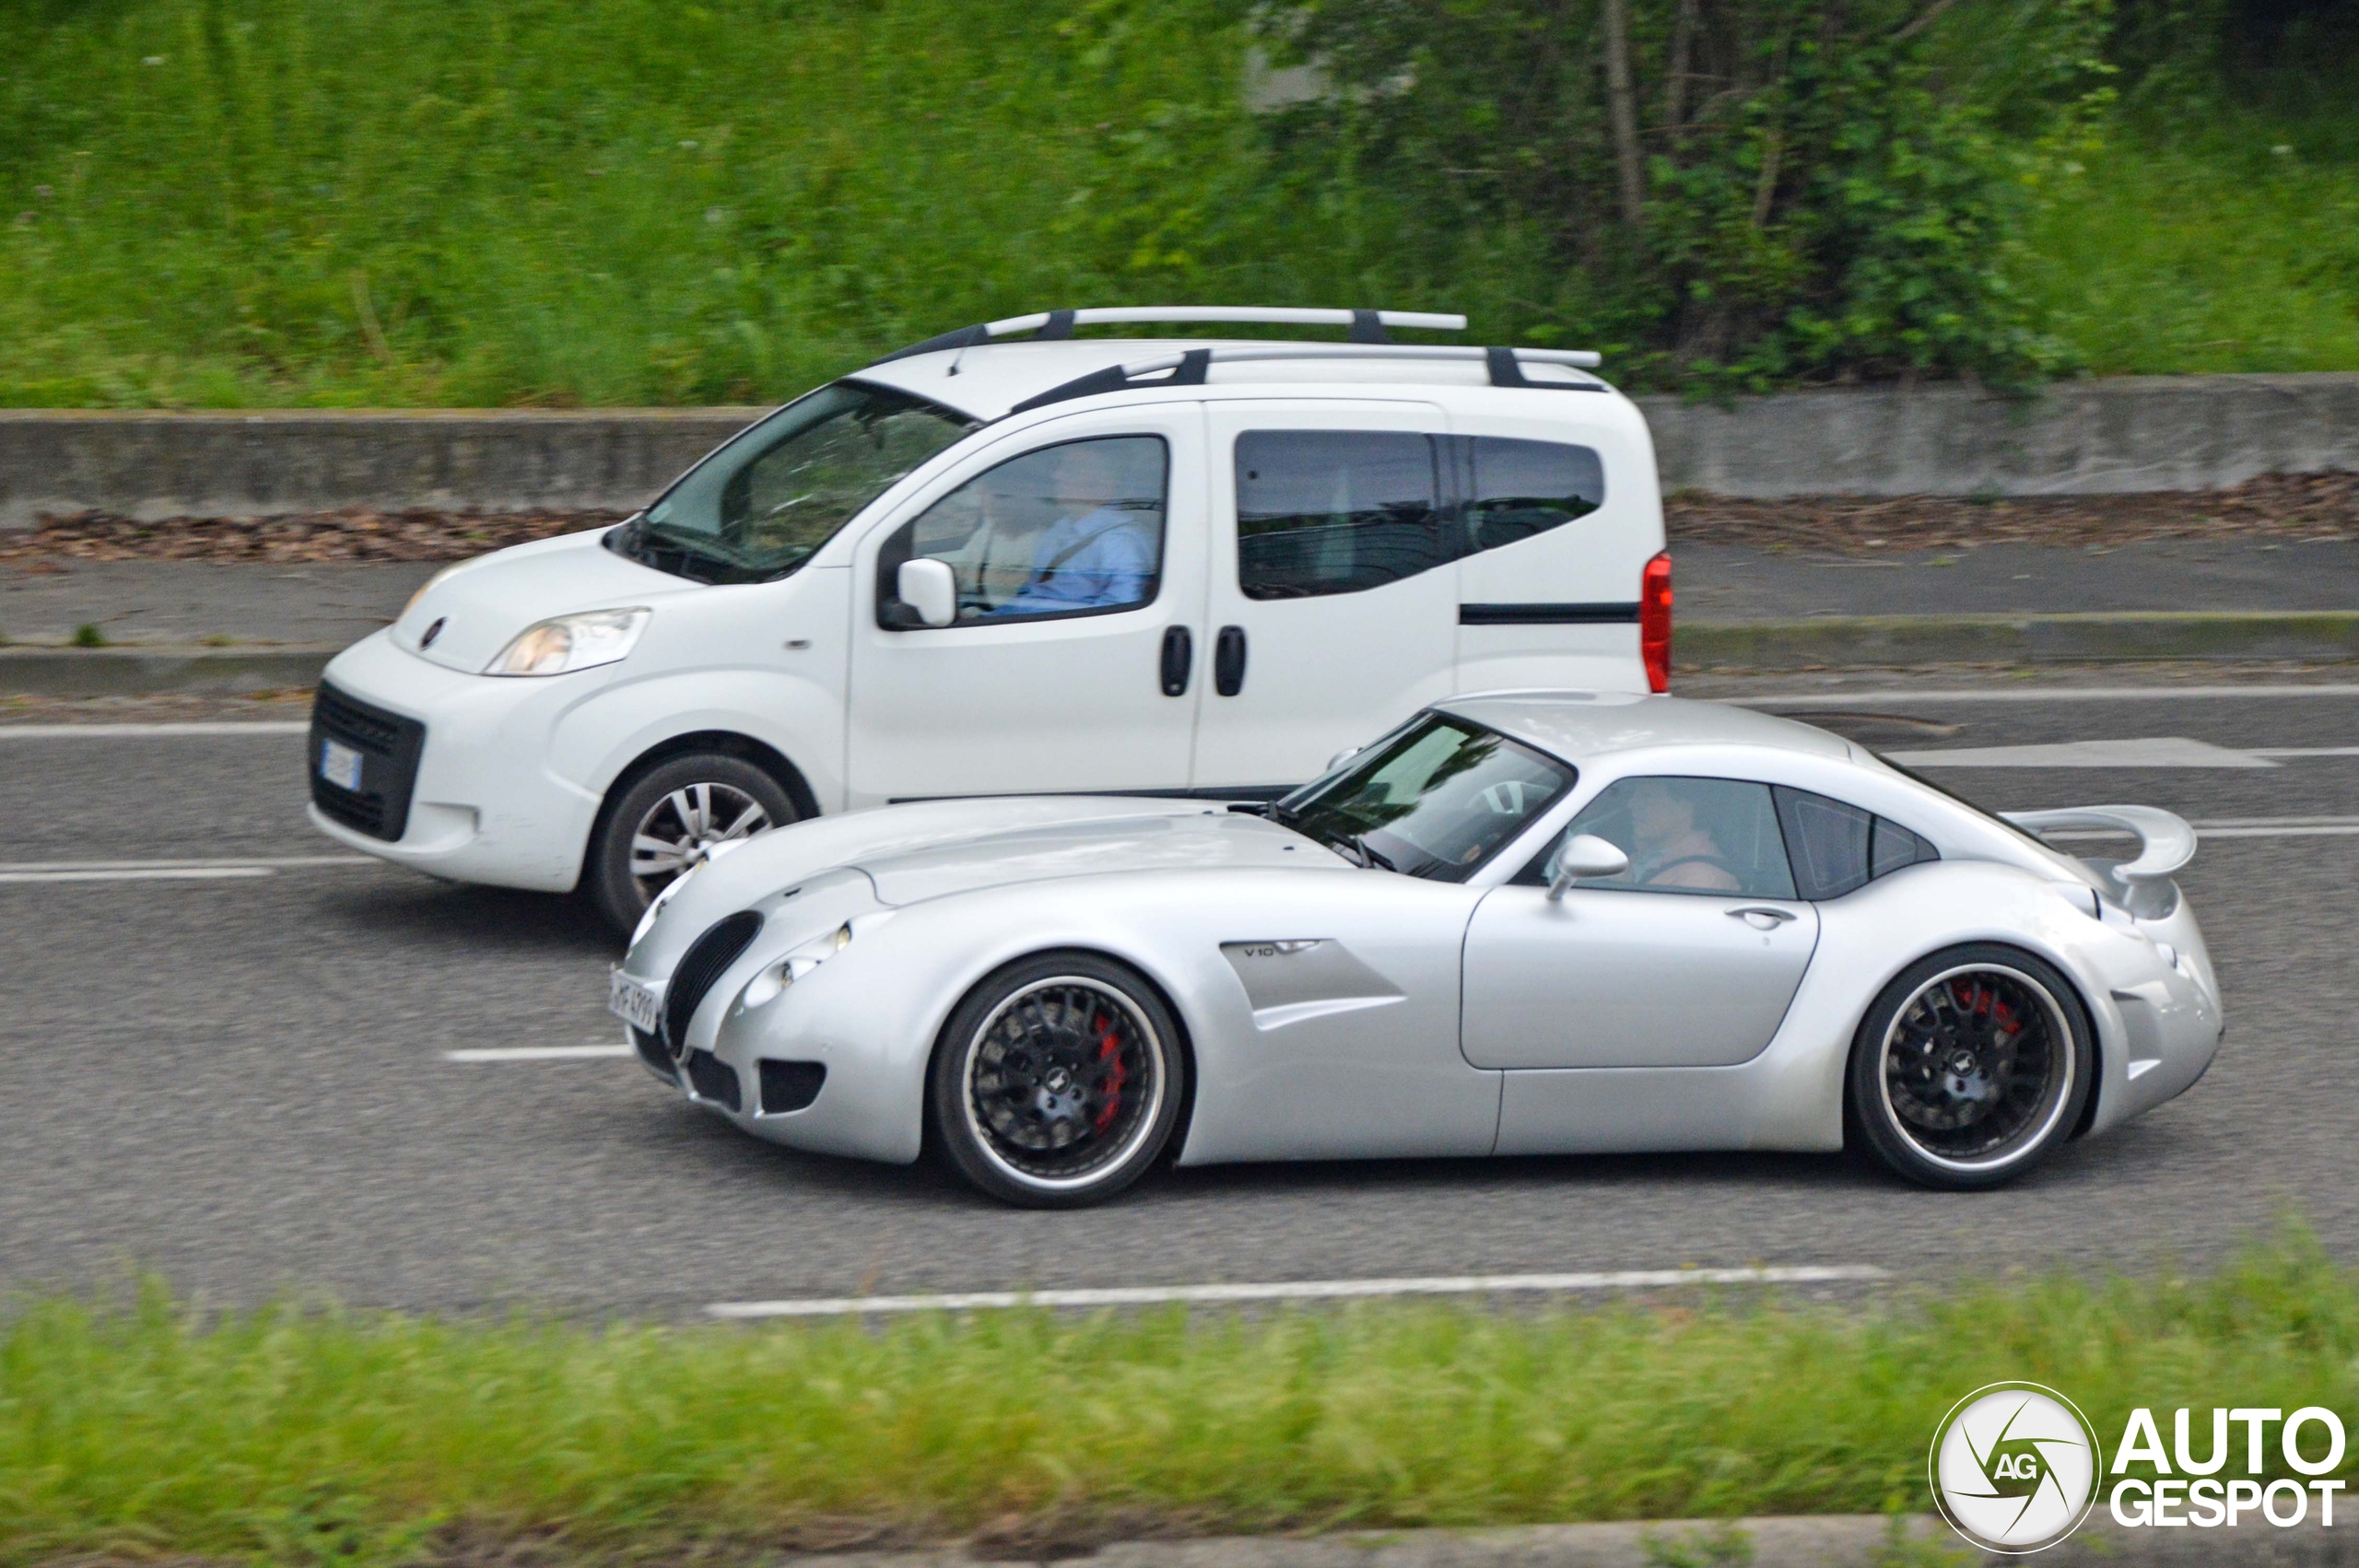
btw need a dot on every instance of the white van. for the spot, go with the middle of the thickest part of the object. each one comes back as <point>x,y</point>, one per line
<point>982,567</point>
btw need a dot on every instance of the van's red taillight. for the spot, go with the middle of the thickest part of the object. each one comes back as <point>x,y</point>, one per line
<point>1654,622</point>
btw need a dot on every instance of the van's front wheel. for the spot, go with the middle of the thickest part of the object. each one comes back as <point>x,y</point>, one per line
<point>669,821</point>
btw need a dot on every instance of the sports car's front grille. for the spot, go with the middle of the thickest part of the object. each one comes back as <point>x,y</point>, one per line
<point>389,746</point>
<point>706,960</point>
<point>713,1079</point>
<point>791,1085</point>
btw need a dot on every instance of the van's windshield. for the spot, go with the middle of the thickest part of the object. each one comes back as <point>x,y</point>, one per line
<point>763,504</point>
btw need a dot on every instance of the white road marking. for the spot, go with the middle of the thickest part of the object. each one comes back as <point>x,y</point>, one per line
<point>1306,1289</point>
<point>117,732</point>
<point>219,869</point>
<point>539,1053</point>
<point>2303,751</point>
<point>2161,751</point>
<point>1900,698</point>
<point>2245,827</point>
<point>181,873</point>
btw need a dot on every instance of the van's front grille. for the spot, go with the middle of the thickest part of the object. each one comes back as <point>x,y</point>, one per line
<point>389,746</point>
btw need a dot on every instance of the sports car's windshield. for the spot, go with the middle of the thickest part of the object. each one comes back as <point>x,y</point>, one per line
<point>763,504</point>
<point>1434,800</point>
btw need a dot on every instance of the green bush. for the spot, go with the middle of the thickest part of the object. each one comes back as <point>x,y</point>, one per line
<point>1824,188</point>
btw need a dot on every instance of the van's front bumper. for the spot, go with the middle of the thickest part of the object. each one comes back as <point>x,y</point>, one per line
<point>482,806</point>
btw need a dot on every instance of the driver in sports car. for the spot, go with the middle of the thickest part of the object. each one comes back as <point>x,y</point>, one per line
<point>1669,848</point>
<point>1089,559</point>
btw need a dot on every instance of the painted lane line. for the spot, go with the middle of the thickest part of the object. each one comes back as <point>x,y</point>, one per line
<point>185,874</point>
<point>2302,751</point>
<point>539,1053</point>
<point>2321,832</point>
<point>157,732</point>
<point>2039,694</point>
<point>2161,751</point>
<point>1307,1289</point>
<point>275,863</point>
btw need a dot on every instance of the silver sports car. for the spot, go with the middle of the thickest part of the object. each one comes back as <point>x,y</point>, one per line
<point>1524,923</point>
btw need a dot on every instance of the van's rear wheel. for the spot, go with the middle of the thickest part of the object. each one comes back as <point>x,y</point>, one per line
<point>669,821</point>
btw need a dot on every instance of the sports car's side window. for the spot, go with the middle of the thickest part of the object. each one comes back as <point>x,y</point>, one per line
<point>1836,848</point>
<point>1711,836</point>
<point>1071,529</point>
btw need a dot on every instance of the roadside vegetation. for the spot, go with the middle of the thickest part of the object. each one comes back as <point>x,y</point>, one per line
<point>299,1435</point>
<point>587,201</point>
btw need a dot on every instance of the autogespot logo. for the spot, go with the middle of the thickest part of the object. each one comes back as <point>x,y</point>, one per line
<point>2014,1468</point>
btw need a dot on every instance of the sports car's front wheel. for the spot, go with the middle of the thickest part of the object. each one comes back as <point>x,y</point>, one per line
<point>1057,1081</point>
<point>1971,1067</point>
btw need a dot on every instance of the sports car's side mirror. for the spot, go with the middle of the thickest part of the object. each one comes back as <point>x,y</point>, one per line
<point>928,587</point>
<point>1585,855</point>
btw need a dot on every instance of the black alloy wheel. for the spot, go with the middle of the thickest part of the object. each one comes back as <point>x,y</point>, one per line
<point>1972,1067</point>
<point>668,821</point>
<point>1057,1081</point>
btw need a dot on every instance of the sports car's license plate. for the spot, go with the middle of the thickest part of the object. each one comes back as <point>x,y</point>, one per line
<point>340,765</point>
<point>637,1005</point>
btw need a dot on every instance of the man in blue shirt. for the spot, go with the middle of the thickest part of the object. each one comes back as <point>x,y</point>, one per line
<point>1096,558</point>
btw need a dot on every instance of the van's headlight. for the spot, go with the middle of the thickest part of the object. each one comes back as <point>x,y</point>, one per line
<point>566,643</point>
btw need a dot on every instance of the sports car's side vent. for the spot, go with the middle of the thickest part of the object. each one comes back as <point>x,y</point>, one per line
<point>713,1079</point>
<point>791,1085</point>
<point>706,960</point>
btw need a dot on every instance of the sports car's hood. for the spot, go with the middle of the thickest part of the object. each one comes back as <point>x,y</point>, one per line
<point>484,603</point>
<point>939,848</point>
<point>1201,839</point>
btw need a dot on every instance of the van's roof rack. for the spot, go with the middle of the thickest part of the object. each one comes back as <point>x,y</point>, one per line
<point>1187,368</point>
<point>1047,326</point>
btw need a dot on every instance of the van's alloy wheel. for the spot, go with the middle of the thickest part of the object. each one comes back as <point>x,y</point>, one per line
<point>1057,1081</point>
<point>669,820</point>
<point>1972,1066</point>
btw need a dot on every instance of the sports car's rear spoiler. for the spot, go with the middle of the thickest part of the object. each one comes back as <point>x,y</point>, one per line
<point>2164,844</point>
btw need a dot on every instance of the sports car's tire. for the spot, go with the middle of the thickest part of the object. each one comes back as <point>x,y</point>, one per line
<point>1057,1081</point>
<point>1971,1067</point>
<point>669,819</point>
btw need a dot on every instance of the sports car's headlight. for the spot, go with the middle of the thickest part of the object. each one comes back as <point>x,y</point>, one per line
<point>777,976</point>
<point>567,643</point>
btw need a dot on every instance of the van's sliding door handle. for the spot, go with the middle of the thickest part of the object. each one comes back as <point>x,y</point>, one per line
<point>1179,659</point>
<point>1228,660</point>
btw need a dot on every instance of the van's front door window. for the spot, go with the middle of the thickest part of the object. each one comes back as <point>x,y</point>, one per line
<point>764,504</point>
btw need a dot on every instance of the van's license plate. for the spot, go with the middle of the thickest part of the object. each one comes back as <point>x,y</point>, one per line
<point>340,765</point>
<point>639,1005</point>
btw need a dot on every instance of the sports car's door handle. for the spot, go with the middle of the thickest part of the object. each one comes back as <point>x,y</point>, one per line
<point>1761,919</point>
<point>1179,659</point>
<point>1228,660</point>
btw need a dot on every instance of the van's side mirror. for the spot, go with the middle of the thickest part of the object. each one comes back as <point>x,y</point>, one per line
<point>929,588</point>
<point>1585,855</point>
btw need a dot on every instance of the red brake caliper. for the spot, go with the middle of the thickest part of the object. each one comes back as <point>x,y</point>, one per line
<point>1110,1050</point>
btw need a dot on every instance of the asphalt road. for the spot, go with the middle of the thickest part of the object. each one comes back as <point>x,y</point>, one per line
<point>239,1083</point>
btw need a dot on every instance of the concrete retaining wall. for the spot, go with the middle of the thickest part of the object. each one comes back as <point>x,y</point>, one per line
<point>2079,438</point>
<point>236,464</point>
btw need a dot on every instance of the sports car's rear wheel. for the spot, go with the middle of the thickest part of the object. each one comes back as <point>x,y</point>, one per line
<point>1057,1081</point>
<point>1971,1067</point>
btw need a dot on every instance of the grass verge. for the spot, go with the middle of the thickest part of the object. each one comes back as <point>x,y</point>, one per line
<point>294,1435</point>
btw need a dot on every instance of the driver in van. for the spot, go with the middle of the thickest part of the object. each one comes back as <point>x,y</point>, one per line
<point>1099,553</point>
<point>1668,849</point>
